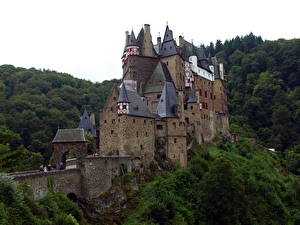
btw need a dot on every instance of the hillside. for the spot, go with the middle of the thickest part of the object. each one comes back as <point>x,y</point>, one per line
<point>263,88</point>
<point>240,183</point>
<point>34,103</point>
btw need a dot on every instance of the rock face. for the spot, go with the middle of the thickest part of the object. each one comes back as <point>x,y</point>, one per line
<point>107,208</point>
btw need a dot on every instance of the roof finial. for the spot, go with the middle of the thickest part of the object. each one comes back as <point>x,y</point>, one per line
<point>167,23</point>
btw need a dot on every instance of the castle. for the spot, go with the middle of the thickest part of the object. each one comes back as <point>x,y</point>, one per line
<point>170,94</point>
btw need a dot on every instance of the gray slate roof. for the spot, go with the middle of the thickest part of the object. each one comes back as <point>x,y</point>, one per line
<point>88,123</point>
<point>168,46</point>
<point>69,135</point>
<point>168,102</point>
<point>137,107</point>
<point>159,76</point>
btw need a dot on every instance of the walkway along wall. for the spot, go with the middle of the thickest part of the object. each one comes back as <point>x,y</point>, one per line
<point>92,178</point>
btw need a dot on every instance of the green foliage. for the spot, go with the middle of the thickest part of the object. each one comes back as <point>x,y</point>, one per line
<point>34,103</point>
<point>263,88</point>
<point>237,184</point>
<point>18,207</point>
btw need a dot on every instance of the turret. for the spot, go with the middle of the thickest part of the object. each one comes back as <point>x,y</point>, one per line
<point>123,101</point>
<point>131,46</point>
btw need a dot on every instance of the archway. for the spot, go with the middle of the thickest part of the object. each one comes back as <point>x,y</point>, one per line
<point>72,197</point>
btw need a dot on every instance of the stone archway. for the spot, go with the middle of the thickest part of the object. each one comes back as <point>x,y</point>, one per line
<point>69,140</point>
<point>79,150</point>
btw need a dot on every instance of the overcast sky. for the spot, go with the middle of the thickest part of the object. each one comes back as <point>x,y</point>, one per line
<point>86,38</point>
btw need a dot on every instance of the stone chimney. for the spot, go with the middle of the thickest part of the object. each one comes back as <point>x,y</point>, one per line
<point>147,44</point>
<point>126,38</point>
<point>181,42</point>
<point>158,40</point>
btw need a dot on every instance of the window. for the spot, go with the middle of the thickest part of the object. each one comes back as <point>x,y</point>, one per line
<point>137,134</point>
<point>145,121</point>
<point>133,120</point>
<point>211,96</point>
<point>205,94</point>
<point>105,121</point>
<point>200,92</point>
<point>113,121</point>
<point>167,63</point>
<point>114,98</point>
<point>111,109</point>
<point>111,132</point>
<point>191,107</point>
<point>158,96</point>
<point>175,140</point>
<point>174,125</point>
<point>159,127</point>
<point>146,134</point>
<point>141,147</point>
<point>185,107</point>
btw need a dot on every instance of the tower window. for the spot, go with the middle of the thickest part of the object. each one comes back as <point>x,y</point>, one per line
<point>159,127</point>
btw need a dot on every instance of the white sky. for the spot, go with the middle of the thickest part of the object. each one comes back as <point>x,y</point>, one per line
<point>86,38</point>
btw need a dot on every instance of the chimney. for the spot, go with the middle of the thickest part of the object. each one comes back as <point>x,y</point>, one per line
<point>126,37</point>
<point>158,40</point>
<point>181,41</point>
<point>147,45</point>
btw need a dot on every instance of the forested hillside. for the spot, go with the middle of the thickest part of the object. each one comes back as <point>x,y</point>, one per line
<point>33,104</point>
<point>224,183</point>
<point>263,88</point>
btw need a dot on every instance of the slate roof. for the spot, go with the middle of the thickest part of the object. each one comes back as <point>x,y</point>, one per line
<point>159,76</point>
<point>88,123</point>
<point>192,97</point>
<point>168,46</point>
<point>69,135</point>
<point>168,102</point>
<point>137,107</point>
<point>123,94</point>
<point>190,50</point>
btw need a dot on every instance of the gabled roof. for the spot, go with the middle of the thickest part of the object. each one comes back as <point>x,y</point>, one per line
<point>88,123</point>
<point>192,97</point>
<point>123,94</point>
<point>69,135</point>
<point>159,76</point>
<point>168,102</point>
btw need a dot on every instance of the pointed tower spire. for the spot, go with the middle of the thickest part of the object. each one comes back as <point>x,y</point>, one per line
<point>123,95</point>
<point>123,101</point>
<point>168,102</point>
